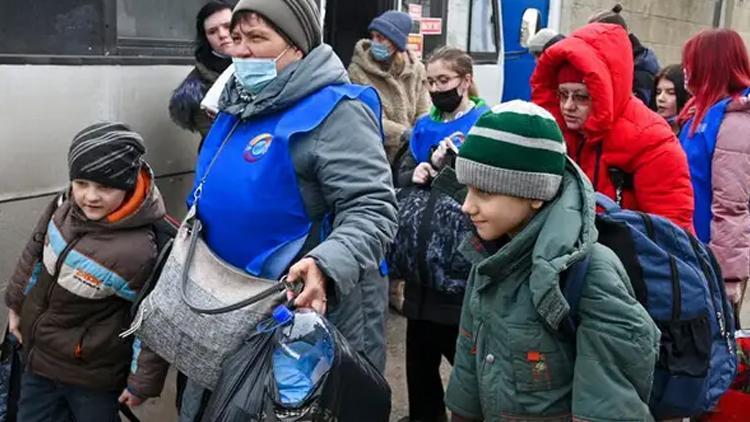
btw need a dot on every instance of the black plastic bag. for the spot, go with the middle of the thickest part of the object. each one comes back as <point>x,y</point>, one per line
<point>352,390</point>
<point>10,377</point>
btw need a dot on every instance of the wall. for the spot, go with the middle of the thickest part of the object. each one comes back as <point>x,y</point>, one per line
<point>663,25</point>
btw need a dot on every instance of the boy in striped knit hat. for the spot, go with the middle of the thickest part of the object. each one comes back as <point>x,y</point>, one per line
<point>70,296</point>
<point>534,215</point>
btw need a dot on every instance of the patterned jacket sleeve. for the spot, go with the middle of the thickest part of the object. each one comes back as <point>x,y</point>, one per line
<point>147,372</point>
<point>30,258</point>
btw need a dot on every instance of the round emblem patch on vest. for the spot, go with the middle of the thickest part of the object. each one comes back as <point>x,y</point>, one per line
<point>257,147</point>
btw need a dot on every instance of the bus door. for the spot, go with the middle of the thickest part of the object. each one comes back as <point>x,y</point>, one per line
<point>521,19</point>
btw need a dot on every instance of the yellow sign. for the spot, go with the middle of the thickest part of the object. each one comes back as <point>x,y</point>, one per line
<point>416,44</point>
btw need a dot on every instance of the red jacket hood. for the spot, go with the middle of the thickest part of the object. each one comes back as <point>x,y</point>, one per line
<point>604,55</point>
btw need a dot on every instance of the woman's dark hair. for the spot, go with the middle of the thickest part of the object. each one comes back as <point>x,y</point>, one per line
<point>674,74</point>
<point>202,48</point>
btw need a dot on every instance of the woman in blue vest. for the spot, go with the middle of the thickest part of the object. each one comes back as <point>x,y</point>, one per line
<point>293,176</point>
<point>431,227</point>
<point>716,137</point>
<point>456,107</point>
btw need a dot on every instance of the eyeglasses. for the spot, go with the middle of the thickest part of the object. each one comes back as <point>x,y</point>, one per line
<point>577,97</point>
<point>440,81</point>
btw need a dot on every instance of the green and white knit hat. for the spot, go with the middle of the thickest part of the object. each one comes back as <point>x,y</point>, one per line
<point>516,149</point>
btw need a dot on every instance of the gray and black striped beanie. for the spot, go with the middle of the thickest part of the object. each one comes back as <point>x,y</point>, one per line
<point>517,149</point>
<point>108,153</point>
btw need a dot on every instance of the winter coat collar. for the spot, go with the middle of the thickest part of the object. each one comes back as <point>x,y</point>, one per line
<point>320,68</point>
<point>363,59</point>
<point>148,210</point>
<point>554,239</point>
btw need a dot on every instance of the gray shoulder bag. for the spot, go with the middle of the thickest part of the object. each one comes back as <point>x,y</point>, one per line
<point>202,308</point>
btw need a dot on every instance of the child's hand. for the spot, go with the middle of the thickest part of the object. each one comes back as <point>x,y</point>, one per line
<point>129,399</point>
<point>14,325</point>
<point>423,173</point>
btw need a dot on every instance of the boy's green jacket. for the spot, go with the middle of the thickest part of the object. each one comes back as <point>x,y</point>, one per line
<point>512,363</point>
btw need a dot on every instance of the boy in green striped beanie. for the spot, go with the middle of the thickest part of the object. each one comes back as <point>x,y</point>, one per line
<point>534,215</point>
<point>513,161</point>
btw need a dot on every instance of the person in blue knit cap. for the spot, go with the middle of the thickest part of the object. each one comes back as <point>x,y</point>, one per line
<point>384,62</point>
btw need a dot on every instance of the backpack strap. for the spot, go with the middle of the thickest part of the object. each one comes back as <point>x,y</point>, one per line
<point>572,281</point>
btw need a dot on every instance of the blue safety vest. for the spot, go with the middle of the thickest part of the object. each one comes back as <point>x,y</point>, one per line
<point>428,132</point>
<point>700,152</point>
<point>251,207</point>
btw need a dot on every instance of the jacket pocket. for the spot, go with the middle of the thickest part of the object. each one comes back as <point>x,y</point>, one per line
<point>540,362</point>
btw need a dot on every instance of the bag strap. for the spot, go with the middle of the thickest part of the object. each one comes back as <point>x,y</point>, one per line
<point>199,189</point>
<point>276,288</point>
<point>572,281</point>
<point>606,203</point>
<point>128,413</point>
<point>195,234</point>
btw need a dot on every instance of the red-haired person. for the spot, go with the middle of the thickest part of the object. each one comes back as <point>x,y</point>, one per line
<point>716,137</point>
<point>628,152</point>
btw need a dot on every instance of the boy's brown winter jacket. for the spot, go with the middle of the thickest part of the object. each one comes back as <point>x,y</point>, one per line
<point>73,288</point>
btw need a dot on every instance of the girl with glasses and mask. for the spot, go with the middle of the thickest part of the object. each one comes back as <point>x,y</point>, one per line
<point>435,273</point>
<point>384,62</point>
<point>456,107</point>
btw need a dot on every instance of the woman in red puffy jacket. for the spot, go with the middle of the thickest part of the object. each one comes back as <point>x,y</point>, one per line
<point>629,152</point>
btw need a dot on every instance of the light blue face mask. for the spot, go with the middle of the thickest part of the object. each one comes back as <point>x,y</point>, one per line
<point>380,51</point>
<point>255,74</point>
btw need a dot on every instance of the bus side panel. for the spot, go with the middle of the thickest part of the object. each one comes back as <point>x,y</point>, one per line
<point>519,63</point>
<point>43,107</point>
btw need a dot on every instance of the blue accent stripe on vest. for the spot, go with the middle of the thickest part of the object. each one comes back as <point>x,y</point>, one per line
<point>77,260</point>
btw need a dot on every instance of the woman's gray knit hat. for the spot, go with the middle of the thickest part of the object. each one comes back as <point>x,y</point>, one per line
<point>299,20</point>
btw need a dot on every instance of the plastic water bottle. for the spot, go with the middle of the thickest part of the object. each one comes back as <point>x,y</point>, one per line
<point>303,355</point>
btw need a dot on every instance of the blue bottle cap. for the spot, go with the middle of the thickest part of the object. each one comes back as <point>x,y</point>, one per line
<point>282,314</point>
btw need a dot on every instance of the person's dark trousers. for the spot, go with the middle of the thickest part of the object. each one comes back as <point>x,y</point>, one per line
<point>44,400</point>
<point>426,344</point>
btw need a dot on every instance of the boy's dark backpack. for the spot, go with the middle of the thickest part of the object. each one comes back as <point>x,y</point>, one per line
<point>678,281</point>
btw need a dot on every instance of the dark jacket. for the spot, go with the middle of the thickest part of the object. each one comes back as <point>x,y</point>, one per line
<point>646,66</point>
<point>425,252</point>
<point>74,286</point>
<point>185,103</point>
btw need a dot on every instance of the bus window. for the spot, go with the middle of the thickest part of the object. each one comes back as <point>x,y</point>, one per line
<point>435,9</point>
<point>60,27</point>
<point>484,31</point>
<point>530,25</point>
<point>458,19</point>
<point>74,32</point>
<point>164,27</point>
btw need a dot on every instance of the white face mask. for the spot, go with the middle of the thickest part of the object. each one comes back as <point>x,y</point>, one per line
<point>255,74</point>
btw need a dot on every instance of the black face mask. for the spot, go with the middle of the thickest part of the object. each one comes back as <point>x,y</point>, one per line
<point>447,101</point>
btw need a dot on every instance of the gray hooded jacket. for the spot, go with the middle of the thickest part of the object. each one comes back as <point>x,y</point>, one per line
<point>341,167</point>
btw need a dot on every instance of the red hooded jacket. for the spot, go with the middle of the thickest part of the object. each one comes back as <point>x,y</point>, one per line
<point>620,132</point>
